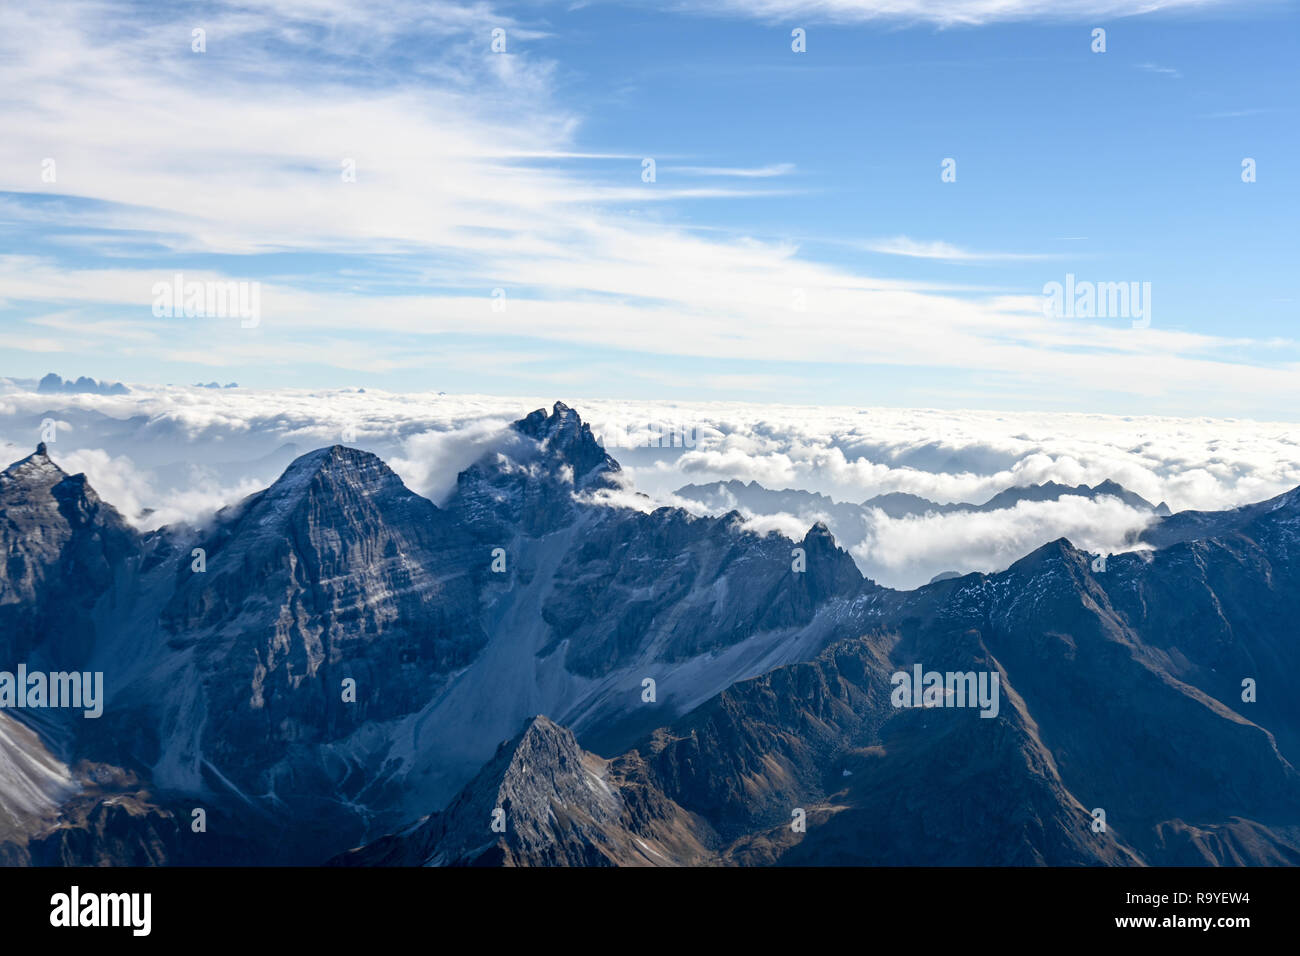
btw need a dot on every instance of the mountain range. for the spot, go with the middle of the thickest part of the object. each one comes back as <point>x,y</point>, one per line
<point>850,522</point>
<point>336,669</point>
<point>754,498</point>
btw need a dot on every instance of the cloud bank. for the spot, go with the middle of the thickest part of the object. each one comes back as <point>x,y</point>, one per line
<point>172,454</point>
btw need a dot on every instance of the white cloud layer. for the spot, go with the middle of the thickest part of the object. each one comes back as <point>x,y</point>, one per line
<point>184,451</point>
<point>908,552</point>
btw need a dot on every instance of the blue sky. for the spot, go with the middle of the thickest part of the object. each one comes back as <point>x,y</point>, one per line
<point>796,245</point>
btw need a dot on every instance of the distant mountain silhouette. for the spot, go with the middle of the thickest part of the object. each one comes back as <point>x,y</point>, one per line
<point>896,504</point>
<point>54,383</point>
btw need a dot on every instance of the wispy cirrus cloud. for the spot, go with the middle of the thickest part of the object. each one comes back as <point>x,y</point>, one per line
<point>742,172</point>
<point>1234,114</point>
<point>1168,71</point>
<point>947,252</point>
<point>471,175</point>
<point>950,12</point>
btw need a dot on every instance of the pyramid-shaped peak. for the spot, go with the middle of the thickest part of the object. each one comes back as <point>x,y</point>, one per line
<point>537,730</point>
<point>1057,552</point>
<point>332,458</point>
<point>334,472</point>
<point>540,742</point>
<point>541,725</point>
<point>36,469</point>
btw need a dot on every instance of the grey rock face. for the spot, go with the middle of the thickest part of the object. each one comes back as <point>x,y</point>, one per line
<point>62,548</point>
<point>542,800</point>
<point>334,601</point>
<point>1120,692</point>
<point>686,586</point>
<point>531,487</point>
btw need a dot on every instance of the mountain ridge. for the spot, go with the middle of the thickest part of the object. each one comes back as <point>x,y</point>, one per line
<point>647,639</point>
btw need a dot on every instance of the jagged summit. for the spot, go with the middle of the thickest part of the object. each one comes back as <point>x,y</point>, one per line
<point>62,547</point>
<point>40,485</point>
<point>34,489</point>
<point>531,480</point>
<point>337,570</point>
<point>540,726</point>
<point>53,382</point>
<point>564,435</point>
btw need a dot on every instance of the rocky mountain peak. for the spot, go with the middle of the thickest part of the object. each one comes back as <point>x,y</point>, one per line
<point>336,485</point>
<point>543,799</point>
<point>542,746</point>
<point>565,436</point>
<point>335,504</point>
<point>36,470</point>
<point>530,484</point>
<point>333,462</point>
<point>38,488</point>
<point>526,801</point>
<point>63,546</point>
<point>832,570</point>
<point>819,531</point>
<point>1054,554</point>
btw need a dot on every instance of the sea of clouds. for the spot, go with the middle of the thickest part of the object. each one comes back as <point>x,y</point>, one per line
<point>165,455</point>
